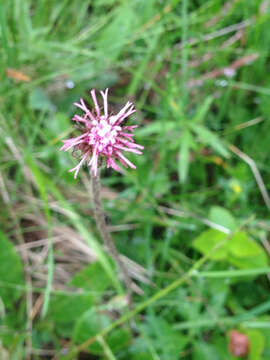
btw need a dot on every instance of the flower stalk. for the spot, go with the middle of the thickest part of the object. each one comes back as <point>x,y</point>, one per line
<point>106,235</point>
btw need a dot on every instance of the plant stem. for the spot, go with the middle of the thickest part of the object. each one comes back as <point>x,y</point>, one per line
<point>106,236</point>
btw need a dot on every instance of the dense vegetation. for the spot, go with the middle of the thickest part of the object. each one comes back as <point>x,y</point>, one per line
<point>194,215</point>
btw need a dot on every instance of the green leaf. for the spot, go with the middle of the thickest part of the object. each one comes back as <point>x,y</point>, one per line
<point>9,259</point>
<point>156,128</point>
<point>92,277</point>
<point>203,109</point>
<point>208,240</point>
<point>245,252</point>
<point>249,262</point>
<point>240,250</point>
<point>66,309</point>
<point>91,323</point>
<point>222,217</point>
<point>209,138</point>
<point>241,245</point>
<point>257,343</point>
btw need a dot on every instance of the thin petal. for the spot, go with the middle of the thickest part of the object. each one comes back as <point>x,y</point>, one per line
<point>77,167</point>
<point>69,143</point>
<point>79,118</point>
<point>130,144</point>
<point>125,115</point>
<point>105,101</point>
<point>84,108</point>
<point>112,163</point>
<point>135,151</point>
<point>126,160</point>
<point>94,160</point>
<point>122,112</point>
<point>123,163</point>
<point>130,127</point>
<point>93,94</point>
<point>127,134</point>
<point>82,105</point>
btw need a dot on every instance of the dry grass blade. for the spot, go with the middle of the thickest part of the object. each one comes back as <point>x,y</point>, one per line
<point>251,163</point>
<point>227,70</point>
<point>180,213</point>
<point>218,33</point>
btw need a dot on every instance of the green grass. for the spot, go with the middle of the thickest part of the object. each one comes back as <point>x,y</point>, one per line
<point>192,214</point>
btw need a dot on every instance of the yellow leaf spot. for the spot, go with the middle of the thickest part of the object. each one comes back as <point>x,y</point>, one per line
<point>236,187</point>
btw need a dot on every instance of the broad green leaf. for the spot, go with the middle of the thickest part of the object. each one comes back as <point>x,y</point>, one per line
<point>91,323</point>
<point>257,343</point>
<point>250,262</point>
<point>65,310</point>
<point>11,272</point>
<point>245,253</point>
<point>210,239</point>
<point>240,250</point>
<point>222,217</point>
<point>209,138</point>
<point>241,245</point>
<point>92,277</point>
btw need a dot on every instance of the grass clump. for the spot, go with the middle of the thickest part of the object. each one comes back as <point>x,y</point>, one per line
<point>191,221</point>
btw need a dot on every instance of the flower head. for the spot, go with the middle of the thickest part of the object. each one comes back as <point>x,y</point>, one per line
<point>104,136</point>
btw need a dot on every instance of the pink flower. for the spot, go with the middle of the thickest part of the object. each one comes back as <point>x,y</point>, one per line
<point>103,136</point>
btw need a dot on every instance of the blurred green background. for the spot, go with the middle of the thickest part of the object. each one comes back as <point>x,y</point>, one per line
<point>192,220</point>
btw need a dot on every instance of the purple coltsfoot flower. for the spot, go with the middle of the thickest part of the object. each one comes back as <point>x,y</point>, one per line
<point>104,136</point>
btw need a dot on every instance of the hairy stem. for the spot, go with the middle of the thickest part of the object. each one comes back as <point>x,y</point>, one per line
<point>106,236</point>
